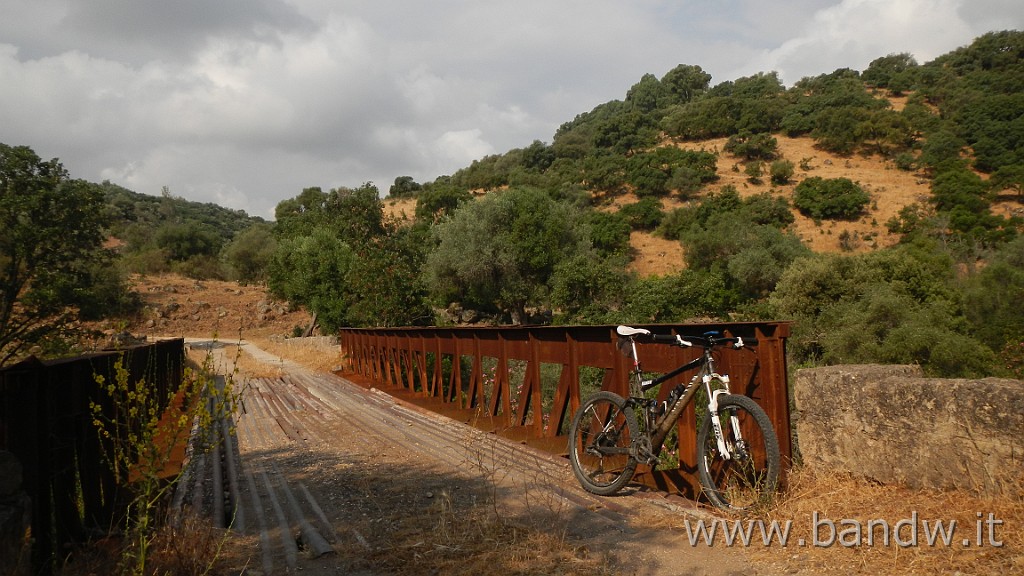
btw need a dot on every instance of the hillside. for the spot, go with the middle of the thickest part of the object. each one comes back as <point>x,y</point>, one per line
<point>940,134</point>
<point>177,306</point>
<point>132,210</point>
<point>890,189</point>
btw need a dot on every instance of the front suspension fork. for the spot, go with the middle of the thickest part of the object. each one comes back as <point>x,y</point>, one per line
<point>716,423</point>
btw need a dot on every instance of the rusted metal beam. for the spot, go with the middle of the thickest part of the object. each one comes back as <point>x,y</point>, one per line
<point>501,378</point>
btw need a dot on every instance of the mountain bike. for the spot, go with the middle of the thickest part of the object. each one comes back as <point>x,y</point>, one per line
<point>737,450</point>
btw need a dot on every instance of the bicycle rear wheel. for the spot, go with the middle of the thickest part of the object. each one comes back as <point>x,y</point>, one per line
<point>749,474</point>
<point>599,443</point>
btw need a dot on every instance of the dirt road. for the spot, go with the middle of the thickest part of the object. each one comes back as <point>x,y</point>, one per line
<point>334,478</point>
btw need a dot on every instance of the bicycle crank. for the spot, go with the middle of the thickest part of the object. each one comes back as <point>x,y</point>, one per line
<point>642,451</point>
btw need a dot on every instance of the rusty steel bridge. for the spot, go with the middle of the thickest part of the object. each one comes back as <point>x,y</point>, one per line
<point>524,383</point>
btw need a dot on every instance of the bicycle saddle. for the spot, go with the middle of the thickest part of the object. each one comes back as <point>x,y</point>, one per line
<point>629,331</point>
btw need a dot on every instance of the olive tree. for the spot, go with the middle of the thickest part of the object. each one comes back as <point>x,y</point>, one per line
<point>499,253</point>
<point>309,270</point>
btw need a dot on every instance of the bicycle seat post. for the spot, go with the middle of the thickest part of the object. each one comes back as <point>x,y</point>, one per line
<point>637,371</point>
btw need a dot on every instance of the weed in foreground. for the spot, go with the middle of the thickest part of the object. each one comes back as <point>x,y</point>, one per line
<point>142,432</point>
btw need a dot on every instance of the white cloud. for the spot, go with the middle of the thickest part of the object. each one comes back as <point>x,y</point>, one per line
<point>462,146</point>
<point>247,102</point>
<point>852,33</point>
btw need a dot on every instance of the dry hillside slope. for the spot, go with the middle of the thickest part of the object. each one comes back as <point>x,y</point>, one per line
<point>890,189</point>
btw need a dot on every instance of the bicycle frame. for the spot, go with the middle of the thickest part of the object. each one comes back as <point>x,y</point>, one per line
<point>659,426</point>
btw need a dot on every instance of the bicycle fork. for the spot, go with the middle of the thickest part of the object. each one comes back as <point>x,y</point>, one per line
<point>716,423</point>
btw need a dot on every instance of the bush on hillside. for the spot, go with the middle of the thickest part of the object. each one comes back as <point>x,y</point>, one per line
<point>645,214</point>
<point>830,199</point>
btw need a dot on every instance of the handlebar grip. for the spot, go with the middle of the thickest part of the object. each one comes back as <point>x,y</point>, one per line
<point>664,338</point>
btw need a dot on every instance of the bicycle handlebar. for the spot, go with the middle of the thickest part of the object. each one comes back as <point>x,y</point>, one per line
<point>709,340</point>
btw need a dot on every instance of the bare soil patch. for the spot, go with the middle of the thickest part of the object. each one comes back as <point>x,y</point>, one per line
<point>654,255</point>
<point>175,306</point>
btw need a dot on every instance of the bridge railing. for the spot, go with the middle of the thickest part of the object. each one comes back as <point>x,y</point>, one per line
<point>47,423</point>
<point>526,383</point>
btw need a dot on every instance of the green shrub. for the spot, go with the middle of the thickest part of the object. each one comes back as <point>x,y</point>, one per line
<point>754,170</point>
<point>753,146</point>
<point>609,231</point>
<point>830,199</point>
<point>781,171</point>
<point>643,215</point>
<point>893,306</point>
<point>906,161</point>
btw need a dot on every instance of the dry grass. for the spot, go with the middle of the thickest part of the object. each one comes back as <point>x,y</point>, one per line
<point>847,502</point>
<point>469,537</point>
<point>838,497</point>
<point>191,548</point>
<point>254,368</point>
<point>499,524</point>
<point>313,353</point>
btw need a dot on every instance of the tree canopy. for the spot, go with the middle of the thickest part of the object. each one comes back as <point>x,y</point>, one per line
<point>51,250</point>
<point>500,252</point>
<point>339,256</point>
<point>895,306</point>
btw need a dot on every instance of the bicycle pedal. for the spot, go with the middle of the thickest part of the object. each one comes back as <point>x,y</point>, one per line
<point>647,457</point>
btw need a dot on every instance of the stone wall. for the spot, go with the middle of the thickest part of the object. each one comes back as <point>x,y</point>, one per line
<point>891,424</point>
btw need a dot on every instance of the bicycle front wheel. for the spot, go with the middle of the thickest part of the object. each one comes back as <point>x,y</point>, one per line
<point>746,474</point>
<point>599,443</point>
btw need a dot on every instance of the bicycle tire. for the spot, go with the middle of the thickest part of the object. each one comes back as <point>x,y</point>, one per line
<point>600,438</point>
<point>750,476</point>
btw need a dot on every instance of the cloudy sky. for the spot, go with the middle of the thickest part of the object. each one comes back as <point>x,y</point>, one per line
<point>246,102</point>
